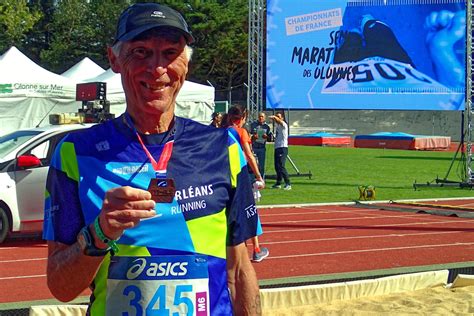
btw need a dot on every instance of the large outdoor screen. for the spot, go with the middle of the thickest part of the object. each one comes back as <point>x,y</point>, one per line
<point>366,54</point>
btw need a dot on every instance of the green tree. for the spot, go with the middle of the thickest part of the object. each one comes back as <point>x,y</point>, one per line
<point>16,19</point>
<point>79,29</point>
<point>39,38</point>
<point>72,35</point>
<point>70,30</point>
<point>220,29</point>
<point>104,17</point>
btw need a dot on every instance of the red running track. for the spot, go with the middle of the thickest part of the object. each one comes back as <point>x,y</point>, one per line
<point>332,239</point>
<point>303,241</point>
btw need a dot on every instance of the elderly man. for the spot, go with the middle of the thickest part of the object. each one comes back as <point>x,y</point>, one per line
<point>149,210</point>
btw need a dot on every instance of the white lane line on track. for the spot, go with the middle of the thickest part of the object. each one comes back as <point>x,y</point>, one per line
<point>357,237</point>
<point>330,208</point>
<point>21,247</point>
<point>297,230</point>
<point>24,277</point>
<point>361,215</point>
<point>345,219</point>
<point>373,213</point>
<point>368,250</point>
<point>22,260</point>
<point>319,212</point>
<point>350,204</point>
<point>316,210</point>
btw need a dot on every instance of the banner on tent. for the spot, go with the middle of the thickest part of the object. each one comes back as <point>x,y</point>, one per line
<point>366,54</point>
<point>34,89</point>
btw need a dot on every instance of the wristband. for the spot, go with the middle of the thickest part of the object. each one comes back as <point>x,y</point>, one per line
<point>86,242</point>
<point>110,242</point>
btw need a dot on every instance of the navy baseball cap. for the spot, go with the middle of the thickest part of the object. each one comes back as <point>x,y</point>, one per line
<point>142,17</point>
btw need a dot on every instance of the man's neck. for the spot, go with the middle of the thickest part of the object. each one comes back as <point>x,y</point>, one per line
<point>148,124</point>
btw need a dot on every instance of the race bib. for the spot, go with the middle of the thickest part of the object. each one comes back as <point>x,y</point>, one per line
<point>158,286</point>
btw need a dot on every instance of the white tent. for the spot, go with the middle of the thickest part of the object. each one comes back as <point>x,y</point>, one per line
<point>28,93</point>
<point>194,101</point>
<point>84,69</point>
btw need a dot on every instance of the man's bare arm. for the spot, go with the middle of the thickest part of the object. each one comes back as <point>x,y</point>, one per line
<point>242,282</point>
<point>277,119</point>
<point>252,162</point>
<point>69,271</point>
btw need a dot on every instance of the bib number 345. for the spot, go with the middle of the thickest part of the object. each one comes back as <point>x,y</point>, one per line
<point>158,305</point>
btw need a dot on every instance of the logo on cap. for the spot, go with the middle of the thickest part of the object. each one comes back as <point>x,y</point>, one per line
<point>158,14</point>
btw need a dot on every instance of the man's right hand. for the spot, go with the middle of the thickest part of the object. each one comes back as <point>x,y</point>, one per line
<point>123,208</point>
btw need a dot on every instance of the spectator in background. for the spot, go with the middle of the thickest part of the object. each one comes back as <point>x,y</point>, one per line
<point>216,119</point>
<point>281,151</point>
<point>261,133</point>
<point>236,118</point>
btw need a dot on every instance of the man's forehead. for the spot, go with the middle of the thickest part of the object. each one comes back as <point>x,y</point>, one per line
<point>166,33</point>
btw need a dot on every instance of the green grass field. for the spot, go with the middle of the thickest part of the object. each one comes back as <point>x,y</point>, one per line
<point>338,172</point>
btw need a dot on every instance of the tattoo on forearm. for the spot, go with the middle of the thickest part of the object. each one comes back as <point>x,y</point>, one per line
<point>77,249</point>
<point>64,256</point>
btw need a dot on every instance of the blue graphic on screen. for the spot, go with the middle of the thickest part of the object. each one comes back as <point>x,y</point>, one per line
<point>375,55</point>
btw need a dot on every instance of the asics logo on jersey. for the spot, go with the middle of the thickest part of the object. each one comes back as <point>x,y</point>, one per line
<point>155,269</point>
<point>135,270</point>
<point>251,210</point>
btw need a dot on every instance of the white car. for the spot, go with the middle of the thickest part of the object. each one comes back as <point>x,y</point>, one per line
<point>25,156</point>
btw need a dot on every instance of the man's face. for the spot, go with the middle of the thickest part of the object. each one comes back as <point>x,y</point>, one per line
<point>153,69</point>
<point>261,118</point>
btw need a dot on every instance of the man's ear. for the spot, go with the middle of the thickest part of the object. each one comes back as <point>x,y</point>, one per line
<point>113,60</point>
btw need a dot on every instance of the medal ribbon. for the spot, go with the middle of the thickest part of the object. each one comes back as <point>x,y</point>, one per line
<point>161,165</point>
